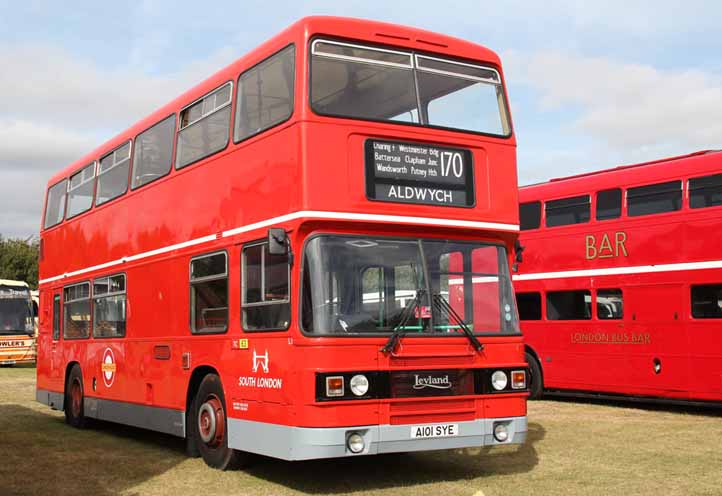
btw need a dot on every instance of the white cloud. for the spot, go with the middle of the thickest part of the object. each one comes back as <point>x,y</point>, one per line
<point>626,106</point>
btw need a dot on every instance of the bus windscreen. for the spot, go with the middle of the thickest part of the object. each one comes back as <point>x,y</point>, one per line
<point>15,311</point>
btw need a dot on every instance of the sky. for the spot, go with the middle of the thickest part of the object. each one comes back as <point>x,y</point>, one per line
<point>591,85</point>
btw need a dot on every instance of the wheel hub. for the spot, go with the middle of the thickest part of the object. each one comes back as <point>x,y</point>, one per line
<point>211,421</point>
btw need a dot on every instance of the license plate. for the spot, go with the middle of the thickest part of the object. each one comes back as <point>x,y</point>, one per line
<point>434,430</point>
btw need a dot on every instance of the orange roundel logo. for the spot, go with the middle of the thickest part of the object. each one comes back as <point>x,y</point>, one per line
<point>108,367</point>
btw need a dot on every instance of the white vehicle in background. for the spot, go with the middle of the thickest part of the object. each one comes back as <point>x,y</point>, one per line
<point>17,323</point>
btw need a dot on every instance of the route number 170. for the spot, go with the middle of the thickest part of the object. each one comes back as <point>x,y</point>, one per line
<point>452,162</point>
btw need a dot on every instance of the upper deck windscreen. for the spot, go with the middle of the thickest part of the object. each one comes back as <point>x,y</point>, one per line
<point>361,82</point>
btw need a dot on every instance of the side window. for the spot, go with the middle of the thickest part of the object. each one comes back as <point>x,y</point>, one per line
<point>569,305</point>
<point>610,304</point>
<point>265,95</point>
<point>654,199</point>
<point>56,317</point>
<point>153,152</point>
<point>707,301</point>
<point>609,204</point>
<point>80,190</point>
<point>529,305</point>
<point>76,303</point>
<point>567,211</point>
<point>109,307</point>
<point>266,303</point>
<point>530,215</point>
<point>705,191</point>
<point>55,204</point>
<point>209,293</point>
<point>204,127</point>
<point>113,175</point>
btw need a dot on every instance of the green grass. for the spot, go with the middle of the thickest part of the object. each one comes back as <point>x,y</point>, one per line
<point>573,448</point>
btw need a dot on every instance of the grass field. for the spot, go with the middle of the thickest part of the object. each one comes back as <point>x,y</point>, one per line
<point>572,448</point>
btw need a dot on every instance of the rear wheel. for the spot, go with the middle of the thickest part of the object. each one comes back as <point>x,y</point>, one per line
<point>74,399</point>
<point>536,382</point>
<point>210,426</point>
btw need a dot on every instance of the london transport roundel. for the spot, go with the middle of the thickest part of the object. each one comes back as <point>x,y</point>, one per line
<point>108,367</point>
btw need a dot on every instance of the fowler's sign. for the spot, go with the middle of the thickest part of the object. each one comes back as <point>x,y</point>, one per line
<point>417,173</point>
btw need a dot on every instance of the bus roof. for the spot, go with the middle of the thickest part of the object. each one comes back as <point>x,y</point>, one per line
<point>9,282</point>
<point>344,27</point>
<point>609,178</point>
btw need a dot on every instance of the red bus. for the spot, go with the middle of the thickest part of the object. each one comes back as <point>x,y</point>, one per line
<point>619,289</point>
<point>304,256</point>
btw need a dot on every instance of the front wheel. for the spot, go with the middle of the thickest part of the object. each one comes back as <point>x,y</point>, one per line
<point>536,382</point>
<point>210,426</point>
<point>74,399</point>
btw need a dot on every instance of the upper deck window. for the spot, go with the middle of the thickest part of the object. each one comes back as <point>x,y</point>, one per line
<point>705,191</point>
<point>609,204</point>
<point>574,210</point>
<point>530,215</point>
<point>204,127</point>
<point>349,80</point>
<point>655,198</point>
<point>153,152</point>
<point>113,174</point>
<point>80,190</point>
<point>55,204</point>
<point>265,95</point>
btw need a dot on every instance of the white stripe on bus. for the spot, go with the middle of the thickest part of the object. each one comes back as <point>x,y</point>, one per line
<point>614,271</point>
<point>315,214</point>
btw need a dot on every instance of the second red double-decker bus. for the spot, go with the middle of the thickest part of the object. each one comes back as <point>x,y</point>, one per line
<point>620,285</point>
<point>304,256</point>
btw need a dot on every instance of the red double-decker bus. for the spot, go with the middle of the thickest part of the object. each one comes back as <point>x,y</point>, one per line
<point>620,286</point>
<point>304,256</point>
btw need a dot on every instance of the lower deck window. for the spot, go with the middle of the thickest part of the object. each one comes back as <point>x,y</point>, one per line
<point>707,301</point>
<point>266,302</point>
<point>77,311</point>
<point>610,304</point>
<point>109,307</point>
<point>209,293</point>
<point>529,305</point>
<point>569,305</point>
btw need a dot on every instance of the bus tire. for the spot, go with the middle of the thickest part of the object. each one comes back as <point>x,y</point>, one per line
<point>74,399</point>
<point>536,382</point>
<point>210,426</point>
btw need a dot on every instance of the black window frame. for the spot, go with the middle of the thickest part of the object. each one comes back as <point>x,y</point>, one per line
<point>565,204</point>
<point>692,289</point>
<point>618,209</point>
<point>693,188</point>
<point>180,129</point>
<point>90,310</point>
<point>94,296</point>
<point>133,186</point>
<point>586,292</point>
<point>256,66</point>
<point>537,215</point>
<point>200,280</point>
<point>519,307</point>
<point>64,203</point>
<point>244,305</point>
<point>646,191</point>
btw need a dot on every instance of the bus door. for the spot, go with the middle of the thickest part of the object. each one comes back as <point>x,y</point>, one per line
<point>56,373</point>
<point>656,339</point>
<point>704,324</point>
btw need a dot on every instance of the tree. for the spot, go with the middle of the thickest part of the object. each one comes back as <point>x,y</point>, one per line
<point>19,260</point>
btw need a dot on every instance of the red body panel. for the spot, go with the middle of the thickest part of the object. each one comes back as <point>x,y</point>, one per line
<point>655,260</point>
<point>308,163</point>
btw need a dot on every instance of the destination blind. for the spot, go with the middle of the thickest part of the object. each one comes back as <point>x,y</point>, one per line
<point>418,173</point>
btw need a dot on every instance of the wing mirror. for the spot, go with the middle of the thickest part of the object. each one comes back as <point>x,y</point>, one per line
<point>278,243</point>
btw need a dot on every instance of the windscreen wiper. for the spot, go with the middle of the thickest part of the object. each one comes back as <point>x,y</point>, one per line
<point>400,329</point>
<point>442,304</point>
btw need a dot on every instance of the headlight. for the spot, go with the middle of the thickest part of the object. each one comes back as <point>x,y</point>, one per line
<point>359,385</point>
<point>501,433</point>
<point>334,386</point>
<point>499,380</point>
<point>355,443</point>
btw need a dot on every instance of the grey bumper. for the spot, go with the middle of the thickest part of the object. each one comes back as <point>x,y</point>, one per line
<point>300,443</point>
